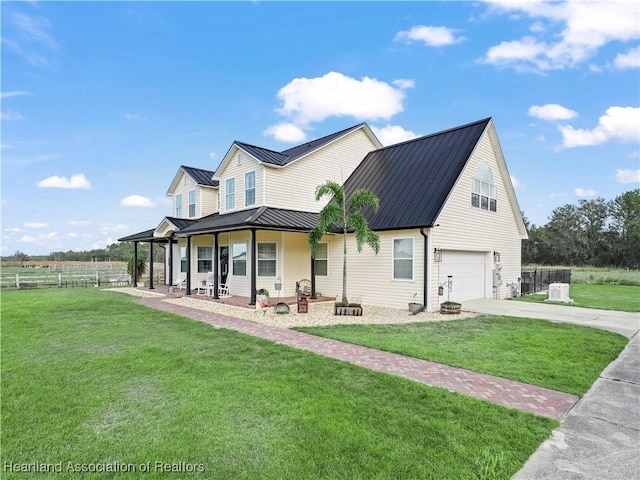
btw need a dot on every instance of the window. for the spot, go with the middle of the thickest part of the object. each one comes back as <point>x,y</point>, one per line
<point>192,203</point>
<point>205,259</point>
<point>267,259</point>
<point>231,193</point>
<point>183,259</point>
<point>239,253</point>
<point>250,188</point>
<point>484,194</point>
<point>322,260</point>
<point>179,206</point>
<point>403,259</point>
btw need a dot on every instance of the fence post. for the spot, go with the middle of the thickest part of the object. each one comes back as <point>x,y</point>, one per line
<point>97,278</point>
<point>59,280</point>
<point>535,279</point>
<point>17,281</point>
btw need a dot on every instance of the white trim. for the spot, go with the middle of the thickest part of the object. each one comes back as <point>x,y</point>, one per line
<point>413,259</point>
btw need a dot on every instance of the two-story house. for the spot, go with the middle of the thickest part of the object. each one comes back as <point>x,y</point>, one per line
<point>448,217</point>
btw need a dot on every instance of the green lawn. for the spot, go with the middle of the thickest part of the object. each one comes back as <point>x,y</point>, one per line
<point>607,297</point>
<point>567,358</point>
<point>94,379</point>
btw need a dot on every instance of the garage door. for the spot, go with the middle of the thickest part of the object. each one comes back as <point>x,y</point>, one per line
<point>468,274</point>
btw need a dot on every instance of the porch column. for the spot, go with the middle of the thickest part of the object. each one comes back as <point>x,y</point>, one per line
<point>134,280</point>
<point>313,277</point>
<point>254,266</point>
<point>151,265</point>
<point>188,266</point>
<point>170,261</point>
<point>216,265</point>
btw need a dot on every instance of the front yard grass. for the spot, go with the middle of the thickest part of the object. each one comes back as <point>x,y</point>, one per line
<point>607,297</point>
<point>94,379</point>
<point>567,358</point>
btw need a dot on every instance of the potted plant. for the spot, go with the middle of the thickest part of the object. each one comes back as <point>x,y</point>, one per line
<point>450,308</point>
<point>262,297</point>
<point>341,308</point>
<point>141,268</point>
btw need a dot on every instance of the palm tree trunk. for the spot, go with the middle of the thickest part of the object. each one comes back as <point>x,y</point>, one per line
<point>344,268</point>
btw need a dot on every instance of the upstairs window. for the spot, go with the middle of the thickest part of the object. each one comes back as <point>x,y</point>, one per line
<point>179,206</point>
<point>484,194</point>
<point>192,203</point>
<point>250,188</point>
<point>231,193</point>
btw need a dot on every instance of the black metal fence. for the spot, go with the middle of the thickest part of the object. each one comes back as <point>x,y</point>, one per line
<point>538,279</point>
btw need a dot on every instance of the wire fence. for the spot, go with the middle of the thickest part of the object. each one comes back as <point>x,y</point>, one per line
<point>538,279</point>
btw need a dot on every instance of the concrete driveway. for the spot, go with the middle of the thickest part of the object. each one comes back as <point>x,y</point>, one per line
<point>599,438</point>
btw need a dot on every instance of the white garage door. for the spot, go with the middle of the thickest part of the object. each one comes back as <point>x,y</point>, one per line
<point>468,274</point>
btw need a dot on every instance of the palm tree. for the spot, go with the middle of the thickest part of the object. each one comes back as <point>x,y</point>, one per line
<point>344,214</point>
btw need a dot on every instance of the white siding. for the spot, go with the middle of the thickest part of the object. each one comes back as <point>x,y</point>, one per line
<point>293,187</point>
<point>208,201</point>
<point>206,198</point>
<point>466,228</point>
<point>236,168</point>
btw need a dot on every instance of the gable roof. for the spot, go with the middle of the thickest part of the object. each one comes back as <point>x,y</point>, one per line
<point>413,179</point>
<point>285,157</point>
<point>200,176</point>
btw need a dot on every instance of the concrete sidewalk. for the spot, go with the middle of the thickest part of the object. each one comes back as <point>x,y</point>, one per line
<point>599,438</point>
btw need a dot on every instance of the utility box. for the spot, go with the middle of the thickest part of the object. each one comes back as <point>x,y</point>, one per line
<point>559,292</point>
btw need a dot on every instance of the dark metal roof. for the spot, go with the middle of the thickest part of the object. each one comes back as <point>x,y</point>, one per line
<point>287,156</point>
<point>201,176</point>
<point>139,237</point>
<point>413,179</point>
<point>181,223</point>
<point>262,217</point>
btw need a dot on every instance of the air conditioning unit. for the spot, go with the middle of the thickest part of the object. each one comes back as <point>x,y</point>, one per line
<point>559,292</point>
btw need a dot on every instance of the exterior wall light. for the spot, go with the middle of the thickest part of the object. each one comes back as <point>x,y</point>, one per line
<point>437,255</point>
<point>496,257</point>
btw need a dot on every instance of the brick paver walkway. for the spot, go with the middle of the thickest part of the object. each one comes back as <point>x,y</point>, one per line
<point>508,393</point>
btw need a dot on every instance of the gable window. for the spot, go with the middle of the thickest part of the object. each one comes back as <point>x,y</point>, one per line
<point>239,255</point>
<point>192,203</point>
<point>183,259</point>
<point>322,260</point>
<point>403,258</point>
<point>484,194</point>
<point>250,188</point>
<point>267,259</point>
<point>231,193</point>
<point>205,259</point>
<point>179,206</point>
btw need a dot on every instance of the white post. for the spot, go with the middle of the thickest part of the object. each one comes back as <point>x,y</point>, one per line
<point>17,281</point>
<point>59,280</point>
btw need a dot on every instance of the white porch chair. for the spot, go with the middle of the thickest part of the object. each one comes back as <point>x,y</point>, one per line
<point>181,281</point>
<point>207,288</point>
<point>223,291</point>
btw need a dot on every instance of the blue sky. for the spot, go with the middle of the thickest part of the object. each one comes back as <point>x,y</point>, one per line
<point>102,102</point>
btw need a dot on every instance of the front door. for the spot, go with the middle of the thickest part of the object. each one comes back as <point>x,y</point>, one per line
<point>224,264</point>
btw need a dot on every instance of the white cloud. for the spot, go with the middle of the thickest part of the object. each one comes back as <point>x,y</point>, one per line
<point>13,230</point>
<point>628,176</point>
<point>392,134</point>
<point>516,183</point>
<point>78,181</point>
<point>28,37</point>
<point>213,155</point>
<point>618,123</point>
<point>14,93</point>
<point>307,100</point>
<point>552,111</point>
<point>631,59</point>
<point>565,34</point>
<point>113,228</point>
<point>42,238</point>
<point>137,201</point>
<point>11,115</point>
<point>559,194</point>
<point>430,36</point>
<point>286,132</point>
<point>134,116</point>
<point>585,192</point>
<point>79,223</point>
<point>35,225</point>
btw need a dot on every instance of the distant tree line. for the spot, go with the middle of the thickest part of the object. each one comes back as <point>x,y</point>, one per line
<point>595,233</point>
<point>116,252</point>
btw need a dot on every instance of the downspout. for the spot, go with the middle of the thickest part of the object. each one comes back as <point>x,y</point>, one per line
<point>425,280</point>
<point>254,266</point>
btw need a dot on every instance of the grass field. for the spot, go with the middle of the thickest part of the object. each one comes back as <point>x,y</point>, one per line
<point>567,358</point>
<point>94,379</point>
<point>604,296</point>
<point>617,276</point>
